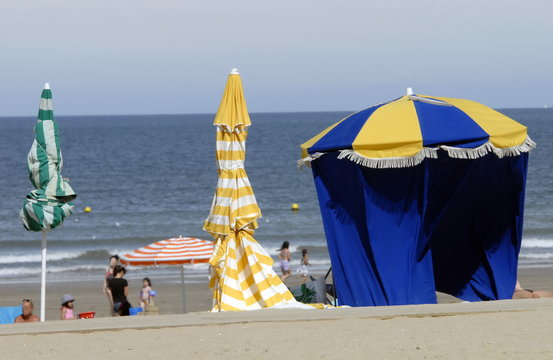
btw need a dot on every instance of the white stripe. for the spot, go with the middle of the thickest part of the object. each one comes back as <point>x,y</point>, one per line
<point>45,104</point>
<point>218,219</point>
<point>230,164</point>
<point>137,257</point>
<point>50,138</point>
<point>236,204</point>
<point>244,201</point>
<point>166,252</point>
<point>231,145</point>
<point>33,163</point>
<point>30,212</point>
<point>176,251</point>
<point>167,247</point>
<point>48,216</point>
<point>190,252</point>
<point>235,183</point>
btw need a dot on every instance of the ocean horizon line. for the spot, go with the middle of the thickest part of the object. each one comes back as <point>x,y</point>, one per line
<point>251,113</point>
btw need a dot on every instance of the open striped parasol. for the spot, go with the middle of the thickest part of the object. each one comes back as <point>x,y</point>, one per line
<point>175,251</point>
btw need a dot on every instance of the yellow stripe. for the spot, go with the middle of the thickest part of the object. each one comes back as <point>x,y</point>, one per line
<point>224,135</point>
<point>227,307</point>
<point>255,298</point>
<point>233,111</point>
<point>244,211</point>
<point>504,132</point>
<point>233,174</point>
<point>392,131</point>
<point>240,276</point>
<point>216,228</point>
<point>230,155</point>
<point>235,193</point>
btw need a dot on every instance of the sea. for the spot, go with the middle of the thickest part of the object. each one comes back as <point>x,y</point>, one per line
<point>152,177</point>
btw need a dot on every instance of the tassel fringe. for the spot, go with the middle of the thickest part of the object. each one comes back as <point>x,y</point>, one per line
<point>306,161</point>
<point>432,153</point>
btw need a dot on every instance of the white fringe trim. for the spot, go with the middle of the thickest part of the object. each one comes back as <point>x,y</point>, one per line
<point>467,153</point>
<point>388,163</point>
<point>432,153</point>
<point>306,161</point>
<point>527,146</point>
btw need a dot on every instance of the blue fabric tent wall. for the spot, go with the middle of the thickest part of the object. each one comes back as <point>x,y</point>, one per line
<point>395,236</point>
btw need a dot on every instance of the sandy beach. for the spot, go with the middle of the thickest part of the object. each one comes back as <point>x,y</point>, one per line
<point>450,330</point>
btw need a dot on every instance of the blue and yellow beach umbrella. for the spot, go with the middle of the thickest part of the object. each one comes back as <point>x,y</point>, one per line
<point>405,131</point>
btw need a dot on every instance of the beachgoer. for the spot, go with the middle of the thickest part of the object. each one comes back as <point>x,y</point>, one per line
<point>285,258</point>
<point>303,270</point>
<point>113,260</point>
<point>27,315</point>
<point>118,288</point>
<point>521,293</point>
<point>67,307</point>
<point>146,293</point>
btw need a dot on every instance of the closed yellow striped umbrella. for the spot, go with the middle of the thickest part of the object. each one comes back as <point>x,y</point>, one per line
<point>242,275</point>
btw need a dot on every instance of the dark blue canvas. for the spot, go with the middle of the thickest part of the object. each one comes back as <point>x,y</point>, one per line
<point>395,236</point>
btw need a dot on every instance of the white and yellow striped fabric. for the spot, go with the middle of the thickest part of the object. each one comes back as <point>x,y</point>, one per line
<point>242,272</point>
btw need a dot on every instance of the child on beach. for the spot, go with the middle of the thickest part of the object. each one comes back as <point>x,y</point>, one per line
<point>146,293</point>
<point>285,258</point>
<point>303,270</point>
<point>67,307</point>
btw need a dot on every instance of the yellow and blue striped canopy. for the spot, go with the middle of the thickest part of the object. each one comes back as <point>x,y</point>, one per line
<point>405,131</point>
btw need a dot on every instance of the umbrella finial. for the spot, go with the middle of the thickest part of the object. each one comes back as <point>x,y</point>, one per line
<point>234,71</point>
<point>46,86</point>
<point>410,91</point>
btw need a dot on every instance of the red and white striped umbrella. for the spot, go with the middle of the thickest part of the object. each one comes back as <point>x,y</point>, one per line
<point>174,251</point>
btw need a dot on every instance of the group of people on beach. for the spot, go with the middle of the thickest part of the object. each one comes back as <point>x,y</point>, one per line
<point>285,257</point>
<point>27,308</point>
<point>116,288</point>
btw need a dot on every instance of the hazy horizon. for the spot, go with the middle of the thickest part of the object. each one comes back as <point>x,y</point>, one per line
<point>170,57</point>
<point>251,113</point>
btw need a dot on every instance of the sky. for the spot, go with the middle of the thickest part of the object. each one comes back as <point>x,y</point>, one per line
<point>173,57</point>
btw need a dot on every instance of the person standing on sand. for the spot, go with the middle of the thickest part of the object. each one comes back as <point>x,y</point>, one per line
<point>118,289</point>
<point>27,315</point>
<point>285,258</point>
<point>113,261</point>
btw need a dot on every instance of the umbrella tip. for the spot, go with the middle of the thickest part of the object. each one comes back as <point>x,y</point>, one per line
<point>410,91</point>
<point>47,86</point>
<point>234,71</point>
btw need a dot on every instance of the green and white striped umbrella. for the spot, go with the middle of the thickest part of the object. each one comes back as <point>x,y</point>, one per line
<point>46,206</point>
